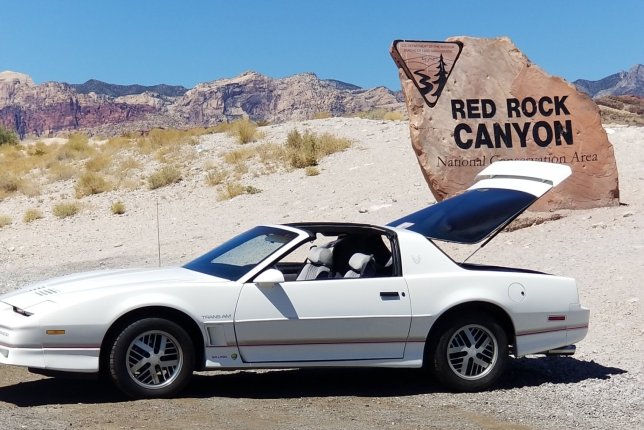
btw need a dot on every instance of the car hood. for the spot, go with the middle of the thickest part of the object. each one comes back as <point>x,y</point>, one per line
<point>51,289</point>
<point>503,191</point>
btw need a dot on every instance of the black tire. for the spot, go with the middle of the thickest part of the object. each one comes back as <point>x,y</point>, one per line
<point>469,353</point>
<point>150,358</point>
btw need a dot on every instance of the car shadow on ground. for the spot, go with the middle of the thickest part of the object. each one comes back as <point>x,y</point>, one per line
<point>298,383</point>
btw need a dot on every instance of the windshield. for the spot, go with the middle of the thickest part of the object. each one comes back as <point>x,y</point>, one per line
<point>232,259</point>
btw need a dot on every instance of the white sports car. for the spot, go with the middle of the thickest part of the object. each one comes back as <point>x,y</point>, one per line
<point>311,295</point>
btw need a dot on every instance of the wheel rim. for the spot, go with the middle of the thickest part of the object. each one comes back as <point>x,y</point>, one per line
<point>154,359</point>
<point>472,352</point>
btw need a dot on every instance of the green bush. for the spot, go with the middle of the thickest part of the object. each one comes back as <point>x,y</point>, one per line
<point>8,137</point>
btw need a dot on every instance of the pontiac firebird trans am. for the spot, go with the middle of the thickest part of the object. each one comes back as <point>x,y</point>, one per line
<point>312,295</point>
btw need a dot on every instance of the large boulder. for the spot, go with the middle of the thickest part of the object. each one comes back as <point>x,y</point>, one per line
<point>474,101</point>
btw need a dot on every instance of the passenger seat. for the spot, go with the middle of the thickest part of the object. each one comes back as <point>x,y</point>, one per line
<point>362,265</point>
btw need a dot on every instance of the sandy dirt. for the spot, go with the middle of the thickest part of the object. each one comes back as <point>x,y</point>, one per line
<point>377,180</point>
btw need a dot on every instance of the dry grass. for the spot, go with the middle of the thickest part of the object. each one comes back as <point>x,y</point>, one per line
<point>233,189</point>
<point>216,176</point>
<point>165,176</point>
<point>311,171</point>
<point>381,114</point>
<point>393,116</point>
<point>91,183</point>
<point>158,138</point>
<point>306,149</point>
<point>29,188</point>
<point>244,131</point>
<point>118,208</point>
<point>60,171</point>
<point>65,210</point>
<point>9,183</point>
<point>31,215</point>
<point>99,162</point>
<point>77,147</point>
<point>322,115</point>
<point>5,220</point>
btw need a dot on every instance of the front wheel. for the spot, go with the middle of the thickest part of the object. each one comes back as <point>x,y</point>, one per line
<point>469,354</point>
<point>151,357</point>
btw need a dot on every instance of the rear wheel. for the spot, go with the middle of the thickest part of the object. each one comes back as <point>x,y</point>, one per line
<point>469,354</point>
<point>151,357</point>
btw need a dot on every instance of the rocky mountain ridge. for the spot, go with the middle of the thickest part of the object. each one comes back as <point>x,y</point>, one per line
<point>630,82</point>
<point>98,107</point>
<point>53,107</point>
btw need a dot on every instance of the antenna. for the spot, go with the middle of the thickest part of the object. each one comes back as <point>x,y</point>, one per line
<point>158,234</point>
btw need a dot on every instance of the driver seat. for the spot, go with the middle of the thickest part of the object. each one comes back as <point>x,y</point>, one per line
<point>318,266</point>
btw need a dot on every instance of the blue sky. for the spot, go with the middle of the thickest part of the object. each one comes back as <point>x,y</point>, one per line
<point>186,42</point>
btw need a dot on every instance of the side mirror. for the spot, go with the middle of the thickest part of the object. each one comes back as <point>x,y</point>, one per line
<point>269,277</point>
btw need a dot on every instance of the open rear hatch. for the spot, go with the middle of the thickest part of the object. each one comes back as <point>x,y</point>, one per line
<point>503,191</point>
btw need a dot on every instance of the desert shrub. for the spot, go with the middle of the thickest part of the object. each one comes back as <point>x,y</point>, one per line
<point>244,131</point>
<point>29,188</point>
<point>98,162</point>
<point>118,208</point>
<point>9,183</point>
<point>249,189</point>
<point>38,149</point>
<point>165,176</point>
<point>61,171</point>
<point>91,183</point>
<point>65,210</point>
<point>393,116</point>
<point>322,115</point>
<point>158,138</point>
<point>233,189</point>
<point>77,147</point>
<point>311,171</point>
<point>223,127</point>
<point>380,113</point>
<point>215,176</point>
<point>8,137</point>
<point>31,215</point>
<point>238,156</point>
<point>301,149</point>
<point>305,149</point>
<point>5,220</point>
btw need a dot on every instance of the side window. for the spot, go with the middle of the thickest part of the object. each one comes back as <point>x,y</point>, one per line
<point>352,255</point>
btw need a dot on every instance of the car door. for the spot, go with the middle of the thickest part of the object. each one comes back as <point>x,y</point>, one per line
<point>323,320</point>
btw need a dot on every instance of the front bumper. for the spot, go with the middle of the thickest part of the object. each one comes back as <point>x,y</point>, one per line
<point>83,360</point>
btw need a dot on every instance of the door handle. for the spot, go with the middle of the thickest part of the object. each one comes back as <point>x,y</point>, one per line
<point>389,294</point>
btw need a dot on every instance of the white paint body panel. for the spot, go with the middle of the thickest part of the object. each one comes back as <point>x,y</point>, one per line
<point>333,322</point>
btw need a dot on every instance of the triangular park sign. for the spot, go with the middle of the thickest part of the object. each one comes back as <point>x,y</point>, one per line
<point>474,101</point>
<point>427,64</point>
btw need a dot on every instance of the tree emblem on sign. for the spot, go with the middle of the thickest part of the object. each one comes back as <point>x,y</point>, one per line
<point>427,64</point>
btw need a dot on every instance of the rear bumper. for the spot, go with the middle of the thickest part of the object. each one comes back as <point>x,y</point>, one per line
<point>543,339</point>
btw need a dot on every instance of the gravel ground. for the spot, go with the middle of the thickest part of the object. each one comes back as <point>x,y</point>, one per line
<point>375,181</point>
